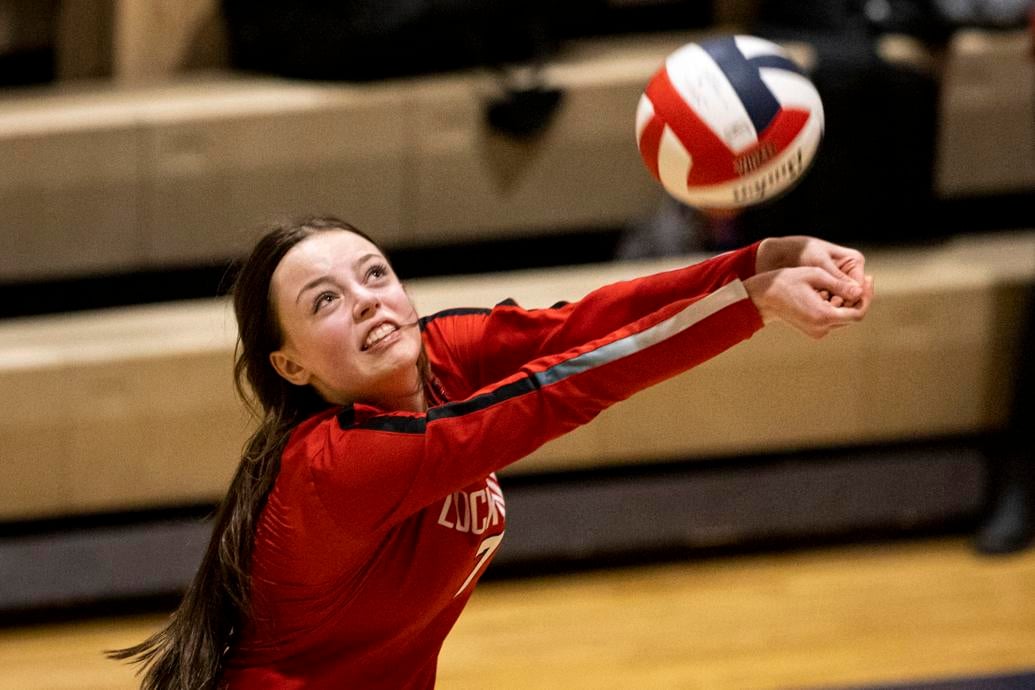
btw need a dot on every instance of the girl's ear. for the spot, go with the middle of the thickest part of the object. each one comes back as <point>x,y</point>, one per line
<point>289,369</point>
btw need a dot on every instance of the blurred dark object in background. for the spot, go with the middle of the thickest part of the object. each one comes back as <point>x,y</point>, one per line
<point>27,51</point>
<point>1009,526</point>
<point>374,39</point>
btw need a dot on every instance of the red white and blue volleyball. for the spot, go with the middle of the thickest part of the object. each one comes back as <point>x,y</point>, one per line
<point>729,122</point>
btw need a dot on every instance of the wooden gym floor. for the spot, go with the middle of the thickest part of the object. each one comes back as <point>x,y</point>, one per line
<point>830,617</point>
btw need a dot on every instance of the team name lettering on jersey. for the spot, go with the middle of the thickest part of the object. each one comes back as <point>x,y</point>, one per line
<point>473,512</point>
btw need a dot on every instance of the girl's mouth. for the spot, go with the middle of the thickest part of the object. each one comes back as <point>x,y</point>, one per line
<point>378,335</point>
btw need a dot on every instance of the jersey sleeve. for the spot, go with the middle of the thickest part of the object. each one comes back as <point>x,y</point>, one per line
<point>372,470</point>
<point>487,345</point>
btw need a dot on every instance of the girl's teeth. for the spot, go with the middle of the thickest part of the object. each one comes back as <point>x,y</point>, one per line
<point>379,334</point>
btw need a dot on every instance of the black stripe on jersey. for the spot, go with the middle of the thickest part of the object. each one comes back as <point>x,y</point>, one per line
<point>511,303</point>
<point>468,311</point>
<point>513,389</point>
<point>459,311</point>
<point>416,425</point>
<point>401,424</point>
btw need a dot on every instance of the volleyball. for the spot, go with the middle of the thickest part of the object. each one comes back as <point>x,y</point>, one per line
<point>729,122</point>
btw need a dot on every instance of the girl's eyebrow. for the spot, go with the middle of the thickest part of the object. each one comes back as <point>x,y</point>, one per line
<point>363,258</point>
<point>311,284</point>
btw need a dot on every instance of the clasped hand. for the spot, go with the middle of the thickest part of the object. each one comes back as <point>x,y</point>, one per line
<point>810,284</point>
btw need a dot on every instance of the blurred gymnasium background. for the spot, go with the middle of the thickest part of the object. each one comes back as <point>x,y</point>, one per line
<point>743,526</point>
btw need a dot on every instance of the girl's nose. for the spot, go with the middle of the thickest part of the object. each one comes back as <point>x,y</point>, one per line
<point>366,305</point>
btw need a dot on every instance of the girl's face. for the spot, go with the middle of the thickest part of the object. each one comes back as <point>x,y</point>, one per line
<point>350,330</point>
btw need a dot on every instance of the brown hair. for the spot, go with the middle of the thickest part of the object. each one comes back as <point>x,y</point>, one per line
<point>188,653</point>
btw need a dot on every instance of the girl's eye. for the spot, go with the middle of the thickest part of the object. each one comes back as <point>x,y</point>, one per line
<point>377,271</point>
<point>324,298</point>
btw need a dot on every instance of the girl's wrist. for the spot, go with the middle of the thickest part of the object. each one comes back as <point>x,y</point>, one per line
<point>768,257</point>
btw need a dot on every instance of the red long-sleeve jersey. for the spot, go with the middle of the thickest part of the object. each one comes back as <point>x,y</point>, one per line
<point>380,523</point>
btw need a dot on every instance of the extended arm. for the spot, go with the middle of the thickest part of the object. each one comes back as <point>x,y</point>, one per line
<point>496,343</point>
<point>375,469</point>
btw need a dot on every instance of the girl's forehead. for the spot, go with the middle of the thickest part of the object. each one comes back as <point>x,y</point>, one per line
<point>323,252</point>
<point>330,248</point>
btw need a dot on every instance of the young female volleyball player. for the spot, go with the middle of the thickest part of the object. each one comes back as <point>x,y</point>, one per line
<point>366,508</point>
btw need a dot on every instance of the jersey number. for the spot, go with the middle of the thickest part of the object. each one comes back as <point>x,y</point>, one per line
<point>485,551</point>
